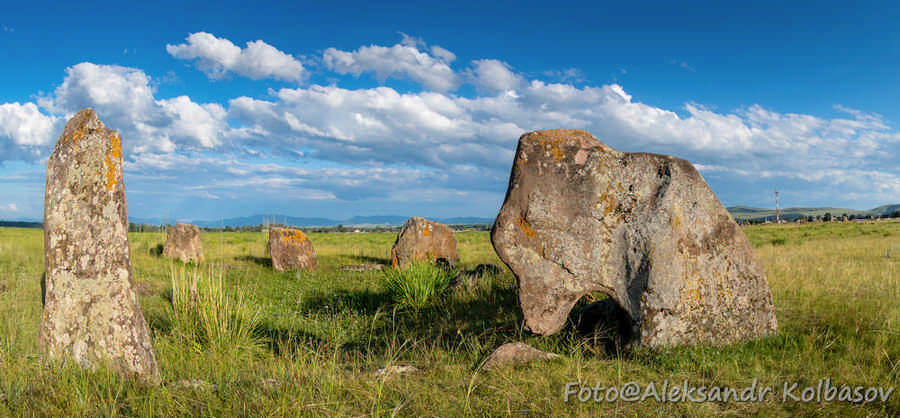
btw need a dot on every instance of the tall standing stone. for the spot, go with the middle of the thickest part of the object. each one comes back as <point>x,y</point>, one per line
<point>645,229</point>
<point>183,242</point>
<point>291,250</point>
<point>426,241</point>
<point>91,311</point>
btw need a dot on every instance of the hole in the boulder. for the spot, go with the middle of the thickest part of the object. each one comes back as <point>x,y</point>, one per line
<point>604,319</point>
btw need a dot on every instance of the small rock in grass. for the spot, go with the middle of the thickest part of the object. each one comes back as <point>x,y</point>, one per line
<point>362,267</point>
<point>397,370</point>
<point>270,383</point>
<point>194,384</point>
<point>516,353</point>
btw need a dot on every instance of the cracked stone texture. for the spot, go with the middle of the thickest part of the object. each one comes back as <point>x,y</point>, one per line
<point>423,240</point>
<point>183,243</point>
<point>91,311</point>
<point>645,229</point>
<point>291,250</point>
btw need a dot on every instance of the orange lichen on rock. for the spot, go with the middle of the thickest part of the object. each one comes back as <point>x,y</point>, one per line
<point>294,236</point>
<point>609,203</point>
<point>426,231</point>
<point>113,160</point>
<point>554,140</point>
<point>525,227</point>
<point>551,141</point>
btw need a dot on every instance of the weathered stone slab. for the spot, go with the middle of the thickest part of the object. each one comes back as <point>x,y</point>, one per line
<point>645,229</point>
<point>291,250</point>
<point>91,311</point>
<point>183,242</point>
<point>426,241</point>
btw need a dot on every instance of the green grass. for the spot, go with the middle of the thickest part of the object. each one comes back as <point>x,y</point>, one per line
<point>204,314</point>
<point>320,336</point>
<point>417,285</point>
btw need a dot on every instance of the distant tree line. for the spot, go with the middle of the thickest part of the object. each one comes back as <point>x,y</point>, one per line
<point>827,217</point>
<point>134,227</point>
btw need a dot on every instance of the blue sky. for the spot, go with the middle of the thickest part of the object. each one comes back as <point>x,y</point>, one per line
<point>370,108</point>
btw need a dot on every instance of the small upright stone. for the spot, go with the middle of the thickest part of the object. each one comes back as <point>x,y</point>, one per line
<point>183,243</point>
<point>91,312</point>
<point>291,250</point>
<point>424,240</point>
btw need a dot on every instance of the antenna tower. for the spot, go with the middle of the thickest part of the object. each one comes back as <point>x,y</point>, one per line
<point>777,209</point>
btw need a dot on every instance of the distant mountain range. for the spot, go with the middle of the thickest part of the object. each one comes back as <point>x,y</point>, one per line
<point>738,212</point>
<point>385,220</point>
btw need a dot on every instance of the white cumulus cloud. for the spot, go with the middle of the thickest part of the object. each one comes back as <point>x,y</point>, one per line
<point>219,56</point>
<point>403,60</point>
<point>494,75</point>
<point>124,100</point>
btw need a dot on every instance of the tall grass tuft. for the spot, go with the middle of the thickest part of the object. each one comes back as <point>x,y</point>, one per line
<point>205,314</point>
<point>418,284</point>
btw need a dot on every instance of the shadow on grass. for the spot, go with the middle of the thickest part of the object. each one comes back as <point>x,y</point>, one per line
<point>159,322</point>
<point>364,302</point>
<point>263,261</point>
<point>365,259</point>
<point>492,316</point>
<point>480,315</point>
<point>279,340</point>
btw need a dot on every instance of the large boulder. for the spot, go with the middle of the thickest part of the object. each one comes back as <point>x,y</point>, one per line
<point>291,250</point>
<point>645,229</point>
<point>425,241</point>
<point>91,311</point>
<point>183,243</point>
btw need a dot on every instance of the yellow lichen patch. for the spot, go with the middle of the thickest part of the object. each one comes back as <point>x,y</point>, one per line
<point>609,203</point>
<point>293,236</point>
<point>676,221</point>
<point>426,231</point>
<point>552,141</point>
<point>113,158</point>
<point>525,227</point>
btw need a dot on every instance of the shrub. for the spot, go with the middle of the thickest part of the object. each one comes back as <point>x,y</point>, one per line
<point>418,284</point>
<point>203,313</point>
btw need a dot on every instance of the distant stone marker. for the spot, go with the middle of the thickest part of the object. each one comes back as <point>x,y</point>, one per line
<point>291,250</point>
<point>645,229</point>
<point>183,242</point>
<point>424,240</point>
<point>91,312</point>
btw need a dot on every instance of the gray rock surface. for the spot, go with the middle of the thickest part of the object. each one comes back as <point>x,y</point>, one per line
<point>645,229</point>
<point>397,370</point>
<point>183,242</point>
<point>423,240</point>
<point>362,267</point>
<point>516,353</point>
<point>291,250</point>
<point>91,311</point>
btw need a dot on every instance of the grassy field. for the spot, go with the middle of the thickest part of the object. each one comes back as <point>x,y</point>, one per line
<point>319,337</point>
